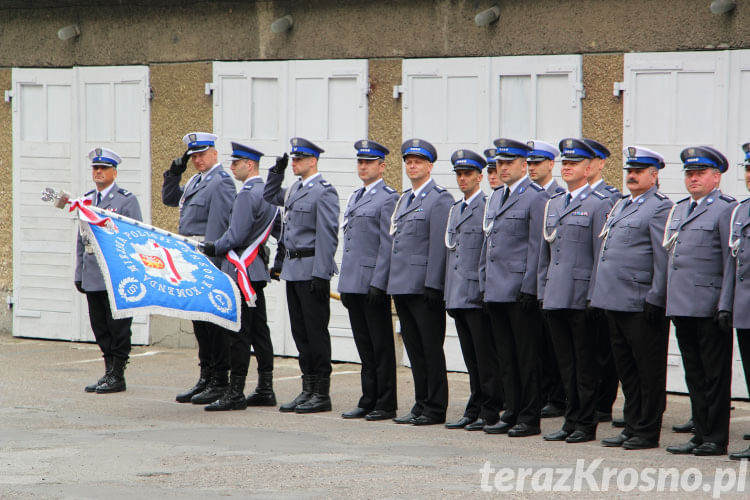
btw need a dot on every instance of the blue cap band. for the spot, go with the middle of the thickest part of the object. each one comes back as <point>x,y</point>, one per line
<point>643,160</point>
<point>599,153</point>
<point>420,152</point>
<point>468,161</point>
<point>540,152</point>
<point>747,155</point>
<point>245,154</point>
<point>302,149</point>
<point>513,151</point>
<point>701,160</point>
<point>104,159</point>
<point>200,143</point>
<point>371,152</point>
<point>576,152</point>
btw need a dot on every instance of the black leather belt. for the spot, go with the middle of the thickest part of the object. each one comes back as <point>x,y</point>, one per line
<point>298,254</point>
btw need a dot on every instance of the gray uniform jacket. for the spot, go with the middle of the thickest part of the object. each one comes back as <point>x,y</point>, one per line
<point>465,236</point>
<point>609,191</point>
<point>311,215</point>
<point>554,188</point>
<point>205,208</point>
<point>632,264</point>
<point>251,215</point>
<point>118,200</point>
<point>698,268</point>
<point>736,296</point>
<point>418,250</point>
<point>566,265</point>
<point>367,240</point>
<point>510,254</point>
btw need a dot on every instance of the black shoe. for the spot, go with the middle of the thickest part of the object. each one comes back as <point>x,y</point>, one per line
<point>115,381</point>
<point>616,441</point>
<point>263,394</point>
<point>233,398</point>
<point>376,415</point>
<point>320,400</point>
<point>580,437</point>
<point>560,435</point>
<point>523,430</point>
<point>603,417</point>
<point>355,413</point>
<point>199,387</point>
<point>425,420</point>
<point>682,449</point>
<point>406,419</point>
<point>216,388</point>
<point>107,370</point>
<point>498,428</point>
<point>741,455</point>
<point>689,426</point>
<point>308,385</point>
<point>708,449</point>
<point>639,443</point>
<point>618,422</point>
<point>477,425</point>
<point>460,423</point>
<point>551,410</point>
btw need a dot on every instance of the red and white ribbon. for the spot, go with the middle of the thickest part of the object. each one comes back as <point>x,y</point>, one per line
<point>243,261</point>
<point>88,215</point>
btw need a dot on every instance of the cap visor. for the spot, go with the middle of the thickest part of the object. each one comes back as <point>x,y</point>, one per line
<point>507,157</point>
<point>466,167</point>
<point>574,158</point>
<point>536,159</point>
<point>369,157</point>
<point>102,164</point>
<point>199,149</point>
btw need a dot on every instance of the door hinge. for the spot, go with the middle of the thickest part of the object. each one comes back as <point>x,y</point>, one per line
<point>618,88</point>
<point>398,90</point>
<point>9,95</point>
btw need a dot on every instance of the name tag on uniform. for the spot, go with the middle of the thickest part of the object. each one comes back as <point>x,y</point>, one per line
<point>581,214</point>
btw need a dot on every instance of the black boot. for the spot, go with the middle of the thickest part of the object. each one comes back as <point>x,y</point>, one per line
<point>320,401</point>
<point>263,394</point>
<point>215,389</point>
<point>233,398</point>
<point>107,369</point>
<point>115,381</point>
<point>308,387</point>
<point>199,386</point>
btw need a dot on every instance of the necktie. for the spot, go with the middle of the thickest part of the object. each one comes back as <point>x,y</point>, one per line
<point>411,198</point>
<point>197,181</point>
<point>568,198</point>
<point>359,195</point>
<point>463,206</point>
<point>628,203</point>
<point>693,204</point>
<point>506,194</point>
<point>98,198</point>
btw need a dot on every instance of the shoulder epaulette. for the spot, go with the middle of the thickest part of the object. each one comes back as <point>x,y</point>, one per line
<point>744,201</point>
<point>456,203</point>
<point>325,183</point>
<point>661,196</point>
<point>406,191</point>
<point>559,193</point>
<point>248,186</point>
<point>684,199</point>
<point>559,189</point>
<point>599,195</point>
<point>536,187</point>
<point>611,189</point>
<point>124,192</point>
<point>389,189</point>
<point>223,174</point>
<point>90,192</point>
<point>439,189</point>
<point>727,198</point>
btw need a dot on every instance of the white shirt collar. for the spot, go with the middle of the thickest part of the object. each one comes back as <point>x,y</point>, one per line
<point>596,184</point>
<point>472,197</point>
<point>574,194</point>
<point>105,192</point>
<point>372,185</point>
<point>252,178</point>
<point>546,186</point>
<point>208,172</point>
<point>419,190</point>
<point>310,179</point>
<point>513,186</point>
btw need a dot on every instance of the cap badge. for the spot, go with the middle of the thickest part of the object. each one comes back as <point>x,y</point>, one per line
<point>98,151</point>
<point>632,152</point>
<point>415,143</point>
<point>460,153</point>
<point>294,141</point>
<point>569,143</point>
<point>193,137</point>
<point>530,144</point>
<point>691,151</point>
<point>364,145</point>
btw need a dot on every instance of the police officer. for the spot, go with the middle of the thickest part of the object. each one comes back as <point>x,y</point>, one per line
<point>606,389</point>
<point>741,290</point>
<point>251,223</point>
<point>310,237</point>
<point>205,202</point>
<point>363,282</point>
<point>508,270</point>
<point>697,238</point>
<point>112,335</point>
<point>572,223</point>
<point>463,300</point>
<point>630,287</point>
<point>493,179</point>
<point>541,161</point>
<point>416,281</point>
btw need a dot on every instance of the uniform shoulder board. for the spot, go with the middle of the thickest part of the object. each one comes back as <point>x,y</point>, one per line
<point>744,201</point>
<point>558,194</point>
<point>684,199</point>
<point>389,189</point>
<point>124,192</point>
<point>455,204</point>
<point>727,198</point>
<point>223,174</point>
<point>325,183</point>
<point>439,189</point>
<point>559,189</point>
<point>611,189</point>
<point>659,195</point>
<point>599,195</point>
<point>248,186</point>
<point>536,187</point>
<point>90,192</point>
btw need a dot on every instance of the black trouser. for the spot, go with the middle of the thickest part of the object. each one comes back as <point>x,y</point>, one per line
<point>253,332</point>
<point>606,387</point>
<point>575,348</point>
<point>707,358</point>
<point>639,349</point>
<point>112,335</point>
<point>743,341</point>
<point>552,387</point>
<point>423,332</point>
<point>213,345</point>
<point>480,357</point>
<point>372,329</point>
<point>517,334</point>
<point>309,317</point>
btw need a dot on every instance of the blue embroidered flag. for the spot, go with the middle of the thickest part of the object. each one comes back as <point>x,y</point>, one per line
<point>151,271</point>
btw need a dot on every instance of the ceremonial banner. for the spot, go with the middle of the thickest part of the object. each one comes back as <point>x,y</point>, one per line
<point>148,270</point>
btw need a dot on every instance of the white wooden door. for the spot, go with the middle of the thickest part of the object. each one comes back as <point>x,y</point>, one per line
<point>674,100</point>
<point>469,102</point>
<point>264,104</point>
<point>58,116</point>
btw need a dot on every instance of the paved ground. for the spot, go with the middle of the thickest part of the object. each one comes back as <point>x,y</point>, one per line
<point>58,442</point>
